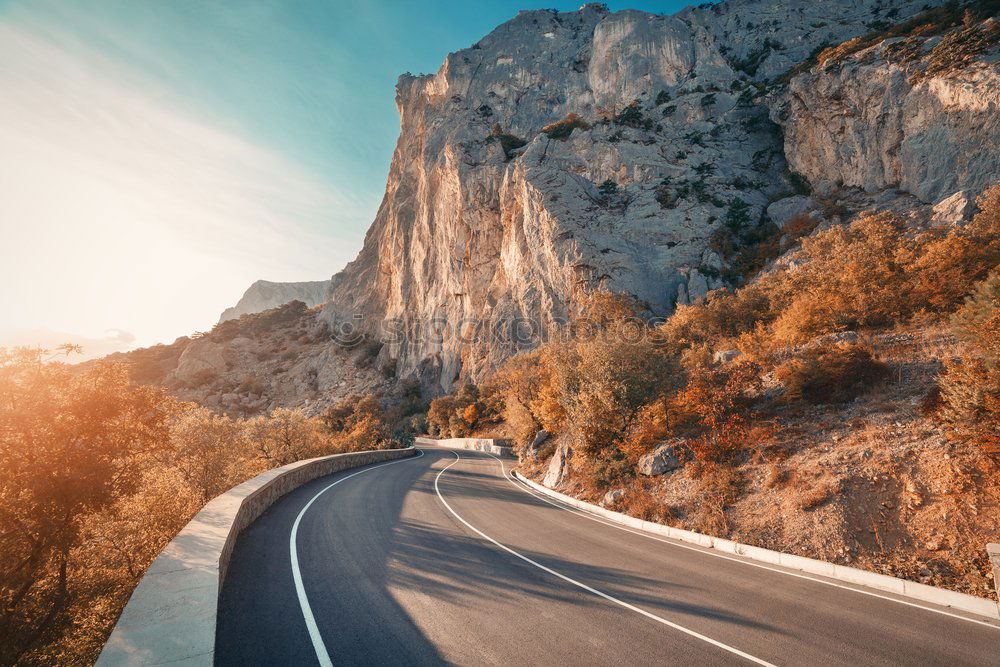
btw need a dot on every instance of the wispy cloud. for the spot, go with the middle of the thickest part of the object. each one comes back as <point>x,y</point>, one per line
<point>122,207</point>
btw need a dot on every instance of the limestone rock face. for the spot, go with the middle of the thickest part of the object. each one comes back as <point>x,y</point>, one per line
<point>875,120</point>
<point>491,231</point>
<point>263,295</point>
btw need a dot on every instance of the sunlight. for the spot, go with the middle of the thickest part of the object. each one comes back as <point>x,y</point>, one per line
<point>112,189</point>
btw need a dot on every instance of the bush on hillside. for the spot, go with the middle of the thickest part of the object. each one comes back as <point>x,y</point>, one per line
<point>713,409</point>
<point>470,409</point>
<point>970,387</point>
<point>562,129</point>
<point>363,422</point>
<point>800,225</point>
<point>831,373</point>
<point>518,381</point>
<point>285,436</point>
<point>632,116</point>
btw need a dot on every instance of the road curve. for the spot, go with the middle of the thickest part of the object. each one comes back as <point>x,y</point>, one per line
<point>443,558</point>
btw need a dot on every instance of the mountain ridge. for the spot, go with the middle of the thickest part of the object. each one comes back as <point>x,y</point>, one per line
<point>675,171</point>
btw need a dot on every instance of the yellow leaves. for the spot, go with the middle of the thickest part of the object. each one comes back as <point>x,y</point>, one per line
<point>470,414</point>
<point>649,429</point>
<point>286,436</point>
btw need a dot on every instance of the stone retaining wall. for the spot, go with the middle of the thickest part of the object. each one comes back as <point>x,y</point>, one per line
<point>497,446</point>
<point>171,615</point>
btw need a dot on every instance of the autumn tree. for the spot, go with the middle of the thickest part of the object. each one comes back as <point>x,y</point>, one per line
<point>67,443</point>
<point>284,436</point>
<point>713,409</point>
<point>207,450</point>
<point>970,387</point>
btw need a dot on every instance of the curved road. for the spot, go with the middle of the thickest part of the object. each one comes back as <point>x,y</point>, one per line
<point>444,558</point>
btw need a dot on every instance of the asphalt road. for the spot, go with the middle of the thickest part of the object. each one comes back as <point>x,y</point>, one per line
<point>445,559</point>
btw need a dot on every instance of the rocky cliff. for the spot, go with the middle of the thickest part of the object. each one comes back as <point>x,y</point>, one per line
<point>914,111</point>
<point>264,295</point>
<point>569,152</point>
<point>495,222</point>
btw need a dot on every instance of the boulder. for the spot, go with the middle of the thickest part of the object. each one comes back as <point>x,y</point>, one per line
<point>665,458</point>
<point>202,354</point>
<point>557,466</point>
<point>530,451</point>
<point>612,497</point>
<point>953,210</point>
<point>785,209</point>
<point>540,437</point>
<point>725,356</point>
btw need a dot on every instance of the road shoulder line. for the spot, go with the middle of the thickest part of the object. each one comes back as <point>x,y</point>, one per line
<point>583,586</point>
<point>319,646</point>
<point>708,546</point>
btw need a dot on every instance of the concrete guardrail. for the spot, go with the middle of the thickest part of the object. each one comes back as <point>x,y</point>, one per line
<point>171,615</point>
<point>910,589</point>
<point>497,446</point>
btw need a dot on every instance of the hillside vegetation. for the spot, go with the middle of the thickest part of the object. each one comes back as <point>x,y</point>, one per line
<point>99,474</point>
<point>845,404</point>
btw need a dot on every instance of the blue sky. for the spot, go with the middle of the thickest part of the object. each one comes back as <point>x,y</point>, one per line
<point>163,155</point>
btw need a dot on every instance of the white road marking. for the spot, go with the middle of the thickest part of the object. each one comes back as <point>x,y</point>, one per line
<point>314,635</point>
<point>585,587</point>
<point>711,552</point>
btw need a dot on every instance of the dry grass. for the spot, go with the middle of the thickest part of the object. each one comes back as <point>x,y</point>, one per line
<point>641,501</point>
<point>816,492</point>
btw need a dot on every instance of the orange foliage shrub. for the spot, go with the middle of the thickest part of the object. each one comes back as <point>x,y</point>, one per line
<point>724,314</point>
<point>852,279</point>
<point>518,381</point>
<point>831,373</point>
<point>468,410</point>
<point>561,129</point>
<point>604,382</point>
<point>713,409</point>
<point>800,225</point>
<point>970,388</point>
<point>948,264</point>
<point>651,426</point>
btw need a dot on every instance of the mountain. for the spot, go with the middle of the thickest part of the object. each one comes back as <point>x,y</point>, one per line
<point>490,223</point>
<point>567,152</point>
<point>91,347</point>
<point>263,295</point>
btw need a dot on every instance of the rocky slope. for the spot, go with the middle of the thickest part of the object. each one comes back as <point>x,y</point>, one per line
<point>282,357</point>
<point>263,295</point>
<point>491,227</point>
<point>916,112</point>
<point>683,138</point>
